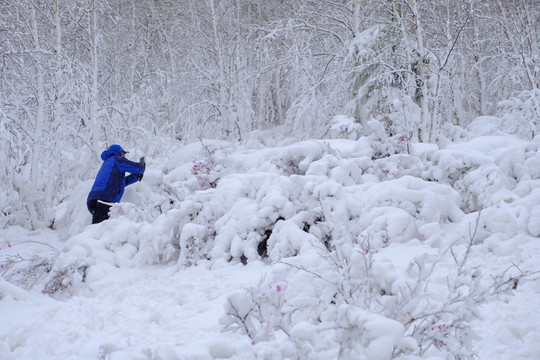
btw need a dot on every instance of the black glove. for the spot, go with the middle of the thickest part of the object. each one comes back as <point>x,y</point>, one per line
<point>143,162</point>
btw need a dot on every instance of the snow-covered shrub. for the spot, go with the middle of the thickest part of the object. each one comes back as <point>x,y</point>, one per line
<point>210,167</point>
<point>376,215</point>
<point>47,269</point>
<point>342,249</point>
<point>405,301</point>
<point>521,113</point>
<point>484,174</point>
<point>384,144</point>
<point>317,318</point>
<point>252,204</point>
<point>192,243</point>
<point>25,272</point>
<point>344,127</point>
<point>288,164</point>
<point>63,282</point>
<point>20,263</point>
<point>485,126</point>
<point>377,154</point>
<point>203,171</point>
<point>295,159</point>
<point>183,235</point>
<point>159,241</point>
<point>257,312</point>
<point>395,166</point>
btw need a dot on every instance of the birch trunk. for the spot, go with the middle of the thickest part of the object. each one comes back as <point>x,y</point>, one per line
<point>94,91</point>
<point>37,150</point>
<point>421,74</point>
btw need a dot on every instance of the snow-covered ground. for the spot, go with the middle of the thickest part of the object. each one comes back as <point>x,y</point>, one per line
<point>318,249</point>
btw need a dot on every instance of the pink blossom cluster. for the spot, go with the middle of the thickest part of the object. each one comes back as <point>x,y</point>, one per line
<point>57,285</point>
<point>201,167</point>
<point>440,327</point>
<point>439,343</point>
<point>201,170</point>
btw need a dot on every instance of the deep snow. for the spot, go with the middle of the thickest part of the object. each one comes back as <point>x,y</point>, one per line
<point>157,280</point>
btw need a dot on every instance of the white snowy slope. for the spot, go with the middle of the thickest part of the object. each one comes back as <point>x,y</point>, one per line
<point>319,249</point>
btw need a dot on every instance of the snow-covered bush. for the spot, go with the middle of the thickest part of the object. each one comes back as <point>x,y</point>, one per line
<point>344,127</point>
<point>64,281</point>
<point>201,169</point>
<point>341,253</point>
<point>521,113</point>
<point>346,302</point>
<point>483,172</point>
<point>46,269</point>
<point>295,159</point>
<point>25,272</point>
<point>210,167</point>
<point>256,312</point>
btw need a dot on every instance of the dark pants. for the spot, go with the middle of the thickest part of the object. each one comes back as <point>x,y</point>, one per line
<point>98,210</point>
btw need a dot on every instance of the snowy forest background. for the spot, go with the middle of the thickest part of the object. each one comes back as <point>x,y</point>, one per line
<point>352,179</point>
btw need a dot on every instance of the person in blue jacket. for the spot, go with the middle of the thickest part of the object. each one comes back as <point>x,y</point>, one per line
<point>111,180</point>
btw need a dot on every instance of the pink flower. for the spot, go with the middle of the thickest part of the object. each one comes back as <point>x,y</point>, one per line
<point>278,288</point>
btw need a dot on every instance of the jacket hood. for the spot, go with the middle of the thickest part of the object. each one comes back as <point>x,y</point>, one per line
<point>113,150</point>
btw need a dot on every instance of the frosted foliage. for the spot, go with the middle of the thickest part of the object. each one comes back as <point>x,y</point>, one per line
<point>493,165</point>
<point>343,127</point>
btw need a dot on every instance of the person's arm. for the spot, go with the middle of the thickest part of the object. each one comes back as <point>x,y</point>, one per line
<point>132,167</point>
<point>130,179</point>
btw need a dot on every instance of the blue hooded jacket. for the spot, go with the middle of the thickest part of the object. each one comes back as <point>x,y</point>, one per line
<point>110,179</point>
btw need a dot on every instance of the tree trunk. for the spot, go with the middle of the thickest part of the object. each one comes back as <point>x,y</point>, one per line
<point>33,204</point>
<point>94,89</point>
<point>421,75</point>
